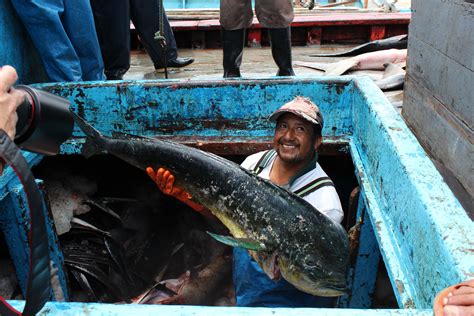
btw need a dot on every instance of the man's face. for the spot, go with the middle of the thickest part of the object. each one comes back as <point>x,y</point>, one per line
<point>295,140</point>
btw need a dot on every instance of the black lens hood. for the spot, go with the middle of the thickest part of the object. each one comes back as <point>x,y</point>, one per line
<point>44,121</point>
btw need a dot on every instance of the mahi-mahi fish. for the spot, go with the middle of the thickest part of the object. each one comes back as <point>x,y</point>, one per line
<point>372,61</point>
<point>285,234</point>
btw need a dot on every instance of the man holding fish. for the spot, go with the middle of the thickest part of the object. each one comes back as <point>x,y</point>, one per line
<point>292,164</point>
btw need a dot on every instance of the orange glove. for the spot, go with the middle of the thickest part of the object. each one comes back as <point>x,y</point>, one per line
<point>165,182</point>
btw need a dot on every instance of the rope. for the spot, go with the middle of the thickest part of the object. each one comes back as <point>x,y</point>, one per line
<point>160,36</point>
<point>309,4</point>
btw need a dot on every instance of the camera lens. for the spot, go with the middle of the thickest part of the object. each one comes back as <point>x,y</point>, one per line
<point>44,121</point>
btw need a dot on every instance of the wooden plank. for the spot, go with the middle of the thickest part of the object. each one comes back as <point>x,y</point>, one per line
<point>377,32</point>
<point>314,36</point>
<point>313,20</point>
<point>198,39</point>
<point>447,26</point>
<point>254,38</point>
<point>439,132</point>
<point>449,81</point>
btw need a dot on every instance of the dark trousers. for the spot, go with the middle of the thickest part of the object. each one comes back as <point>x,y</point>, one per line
<point>112,21</point>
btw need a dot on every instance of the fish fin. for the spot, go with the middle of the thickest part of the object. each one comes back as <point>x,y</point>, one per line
<point>247,243</point>
<point>92,145</point>
<point>86,127</point>
<point>341,67</point>
<point>318,66</point>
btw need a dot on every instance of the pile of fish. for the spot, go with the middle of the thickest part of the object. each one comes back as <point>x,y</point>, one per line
<point>124,241</point>
<point>282,232</point>
<point>388,55</point>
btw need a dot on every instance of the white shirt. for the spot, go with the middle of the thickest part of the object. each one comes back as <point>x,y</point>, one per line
<point>324,199</point>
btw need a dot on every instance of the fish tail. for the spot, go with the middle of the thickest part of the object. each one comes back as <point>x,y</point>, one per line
<point>340,67</point>
<point>94,141</point>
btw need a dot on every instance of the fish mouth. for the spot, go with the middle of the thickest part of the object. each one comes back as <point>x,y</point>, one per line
<point>268,263</point>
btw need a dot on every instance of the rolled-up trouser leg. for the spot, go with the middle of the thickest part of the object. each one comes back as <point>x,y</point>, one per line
<point>274,13</point>
<point>42,20</point>
<point>236,14</point>
<point>280,40</point>
<point>78,22</point>
<point>233,47</point>
<point>112,22</point>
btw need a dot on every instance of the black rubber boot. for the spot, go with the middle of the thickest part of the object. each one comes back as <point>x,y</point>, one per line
<point>233,47</point>
<point>280,40</point>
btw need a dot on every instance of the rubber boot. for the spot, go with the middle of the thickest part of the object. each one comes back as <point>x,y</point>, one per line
<point>233,47</point>
<point>280,40</point>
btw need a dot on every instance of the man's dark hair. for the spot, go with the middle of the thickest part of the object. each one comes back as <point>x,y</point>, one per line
<point>317,130</point>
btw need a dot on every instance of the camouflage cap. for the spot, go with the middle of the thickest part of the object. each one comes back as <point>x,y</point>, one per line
<point>302,107</point>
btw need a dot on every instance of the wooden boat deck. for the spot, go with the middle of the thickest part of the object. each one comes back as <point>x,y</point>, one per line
<point>256,63</point>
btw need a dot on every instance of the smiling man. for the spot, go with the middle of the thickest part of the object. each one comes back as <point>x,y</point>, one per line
<point>293,165</point>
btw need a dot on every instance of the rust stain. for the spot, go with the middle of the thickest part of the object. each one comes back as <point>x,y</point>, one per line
<point>400,286</point>
<point>409,304</point>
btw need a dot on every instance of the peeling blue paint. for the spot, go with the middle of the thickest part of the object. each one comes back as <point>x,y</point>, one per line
<point>419,225</point>
<point>93,309</point>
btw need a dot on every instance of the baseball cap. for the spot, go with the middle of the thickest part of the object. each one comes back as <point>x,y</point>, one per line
<point>302,107</point>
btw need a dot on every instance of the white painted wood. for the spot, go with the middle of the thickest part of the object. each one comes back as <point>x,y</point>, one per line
<point>439,132</point>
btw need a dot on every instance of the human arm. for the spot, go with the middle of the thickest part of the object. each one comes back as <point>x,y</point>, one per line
<point>10,99</point>
<point>164,180</point>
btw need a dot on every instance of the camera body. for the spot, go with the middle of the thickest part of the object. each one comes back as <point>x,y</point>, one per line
<point>44,121</point>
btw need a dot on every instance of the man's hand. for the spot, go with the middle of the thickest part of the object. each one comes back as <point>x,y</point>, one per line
<point>10,99</point>
<point>165,182</point>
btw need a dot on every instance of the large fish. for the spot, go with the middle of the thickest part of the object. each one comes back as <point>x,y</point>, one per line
<point>398,42</point>
<point>372,61</point>
<point>284,232</point>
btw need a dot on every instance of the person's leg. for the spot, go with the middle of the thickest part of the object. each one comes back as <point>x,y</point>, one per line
<point>146,17</point>
<point>112,22</point>
<point>42,19</point>
<point>173,60</point>
<point>78,22</point>
<point>235,16</point>
<point>280,41</point>
<point>276,15</point>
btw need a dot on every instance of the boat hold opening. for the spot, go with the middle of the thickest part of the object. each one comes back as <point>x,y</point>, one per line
<point>401,206</point>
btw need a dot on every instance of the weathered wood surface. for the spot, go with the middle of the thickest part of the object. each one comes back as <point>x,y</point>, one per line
<point>446,26</point>
<point>439,93</point>
<point>440,132</point>
<point>449,81</point>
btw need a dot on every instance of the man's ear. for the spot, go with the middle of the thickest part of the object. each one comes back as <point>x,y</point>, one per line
<point>318,141</point>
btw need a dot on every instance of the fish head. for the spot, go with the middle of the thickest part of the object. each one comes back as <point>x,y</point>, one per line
<point>305,279</point>
<point>276,265</point>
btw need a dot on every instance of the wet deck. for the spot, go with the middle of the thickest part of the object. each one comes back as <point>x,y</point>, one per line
<point>257,62</point>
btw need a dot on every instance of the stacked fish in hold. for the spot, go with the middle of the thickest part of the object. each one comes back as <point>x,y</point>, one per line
<point>283,232</point>
<point>388,54</point>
